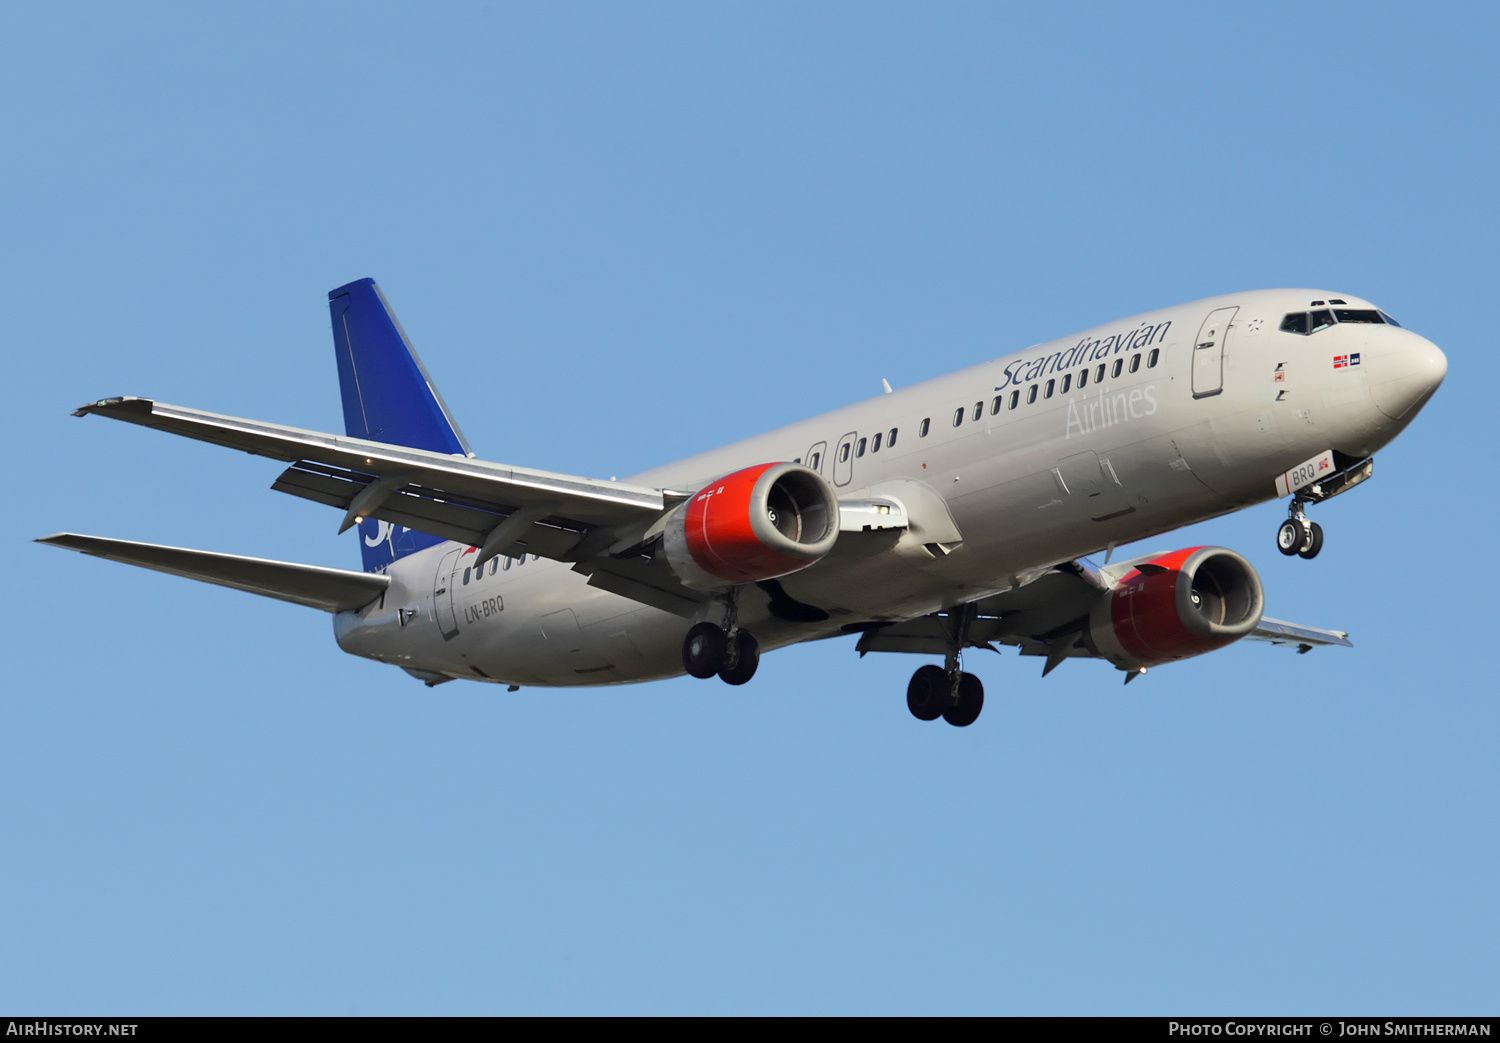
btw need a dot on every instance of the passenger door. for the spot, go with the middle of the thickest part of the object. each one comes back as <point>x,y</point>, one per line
<point>442,595</point>
<point>1208,352</point>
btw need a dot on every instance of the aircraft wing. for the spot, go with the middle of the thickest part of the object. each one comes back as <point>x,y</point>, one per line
<point>495,507</point>
<point>332,590</point>
<point>1044,614</point>
<point>1278,632</point>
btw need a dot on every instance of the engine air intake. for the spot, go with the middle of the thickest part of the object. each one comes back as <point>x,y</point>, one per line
<point>755,524</point>
<point>1177,606</point>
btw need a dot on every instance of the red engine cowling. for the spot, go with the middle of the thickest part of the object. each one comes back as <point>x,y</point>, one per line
<point>1177,606</point>
<point>756,524</point>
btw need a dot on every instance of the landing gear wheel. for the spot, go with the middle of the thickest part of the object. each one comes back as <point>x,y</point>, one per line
<point>1290,537</point>
<point>703,650</point>
<point>970,701</point>
<point>1313,543</point>
<point>928,693</point>
<point>744,652</point>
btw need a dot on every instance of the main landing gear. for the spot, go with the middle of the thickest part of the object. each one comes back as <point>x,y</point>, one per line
<point>948,693</point>
<point>1299,536</point>
<point>726,650</point>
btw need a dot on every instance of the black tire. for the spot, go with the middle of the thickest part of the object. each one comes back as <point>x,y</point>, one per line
<point>1290,537</point>
<point>1313,543</point>
<point>746,659</point>
<point>970,702</point>
<point>703,650</point>
<point>927,693</point>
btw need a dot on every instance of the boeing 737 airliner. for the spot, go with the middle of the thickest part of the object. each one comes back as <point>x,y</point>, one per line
<point>951,515</point>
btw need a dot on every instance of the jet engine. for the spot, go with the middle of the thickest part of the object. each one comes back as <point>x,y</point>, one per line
<point>1176,606</point>
<point>752,525</point>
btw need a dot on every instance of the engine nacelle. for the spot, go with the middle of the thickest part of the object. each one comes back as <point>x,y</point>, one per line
<point>752,525</point>
<point>1177,606</point>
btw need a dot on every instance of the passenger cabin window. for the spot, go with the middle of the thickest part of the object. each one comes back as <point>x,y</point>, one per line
<point>1015,399</point>
<point>958,416</point>
<point>1135,362</point>
<point>860,449</point>
<point>844,453</point>
<point>494,566</point>
<point>1083,379</point>
<point>1319,320</point>
<point>1295,323</point>
<point>1115,369</point>
<point>995,405</point>
<point>890,440</point>
<point>1099,373</point>
<point>978,410</point>
<point>466,577</point>
<point>1067,382</point>
<point>1151,358</point>
<point>507,562</point>
<point>1051,385</point>
<point>923,426</point>
<point>1031,395</point>
<point>875,443</point>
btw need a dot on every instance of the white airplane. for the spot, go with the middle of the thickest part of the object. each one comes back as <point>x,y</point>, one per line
<point>951,515</point>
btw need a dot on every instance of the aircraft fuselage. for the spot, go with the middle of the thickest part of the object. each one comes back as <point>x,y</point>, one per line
<point>1104,437</point>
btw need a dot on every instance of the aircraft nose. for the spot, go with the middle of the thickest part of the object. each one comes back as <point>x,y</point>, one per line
<point>1405,379</point>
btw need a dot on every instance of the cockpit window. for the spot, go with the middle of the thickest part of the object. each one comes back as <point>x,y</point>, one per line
<point>1319,320</point>
<point>1295,323</point>
<point>1358,315</point>
<point>1390,320</point>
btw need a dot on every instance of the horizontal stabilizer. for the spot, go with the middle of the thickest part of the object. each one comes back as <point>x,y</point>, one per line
<point>332,590</point>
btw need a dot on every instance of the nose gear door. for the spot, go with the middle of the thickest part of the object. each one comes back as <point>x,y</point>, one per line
<point>1208,352</point>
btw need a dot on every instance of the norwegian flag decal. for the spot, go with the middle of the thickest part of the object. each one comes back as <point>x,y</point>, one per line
<point>1340,361</point>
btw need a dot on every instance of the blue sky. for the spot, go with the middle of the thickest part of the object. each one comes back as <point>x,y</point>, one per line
<point>620,234</point>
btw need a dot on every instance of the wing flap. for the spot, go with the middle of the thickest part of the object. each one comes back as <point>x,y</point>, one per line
<point>332,590</point>
<point>435,511</point>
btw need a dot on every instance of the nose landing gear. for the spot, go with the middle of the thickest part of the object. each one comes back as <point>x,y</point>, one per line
<point>1299,536</point>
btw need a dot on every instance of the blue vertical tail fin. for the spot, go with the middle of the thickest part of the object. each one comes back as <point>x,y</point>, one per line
<point>388,397</point>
